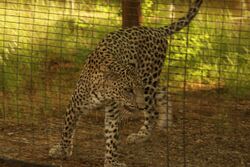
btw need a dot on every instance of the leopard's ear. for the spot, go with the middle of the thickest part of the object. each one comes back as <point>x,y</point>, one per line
<point>104,68</point>
<point>110,75</point>
<point>132,70</point>
<point>118,70</point>
<point>131,65</point>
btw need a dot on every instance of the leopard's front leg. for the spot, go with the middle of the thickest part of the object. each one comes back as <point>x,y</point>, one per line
<point>112,136</point>
<point>150,115</point>
<point>145,131</point>
<point>65,147</point>
<point>161,103</point>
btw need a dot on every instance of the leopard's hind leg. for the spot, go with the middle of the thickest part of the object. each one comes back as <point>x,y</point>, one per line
<point>151,76</point>
<point>165,109</point>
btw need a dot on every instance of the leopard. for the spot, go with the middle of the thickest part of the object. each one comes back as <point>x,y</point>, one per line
<point>122,73</point>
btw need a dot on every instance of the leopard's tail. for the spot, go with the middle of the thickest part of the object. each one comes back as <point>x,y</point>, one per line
<point>184,21</point>
<point>164,109</point>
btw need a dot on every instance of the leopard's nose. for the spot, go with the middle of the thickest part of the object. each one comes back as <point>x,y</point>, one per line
<point>140,104</point>
<point>141,107</point>
<point>139,98</point>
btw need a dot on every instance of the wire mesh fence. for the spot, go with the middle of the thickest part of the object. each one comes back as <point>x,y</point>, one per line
<point>43,45</point>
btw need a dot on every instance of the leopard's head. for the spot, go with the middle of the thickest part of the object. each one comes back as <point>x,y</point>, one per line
<point>126,88</point>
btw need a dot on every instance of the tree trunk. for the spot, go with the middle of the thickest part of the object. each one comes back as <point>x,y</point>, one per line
<point>131,13</point>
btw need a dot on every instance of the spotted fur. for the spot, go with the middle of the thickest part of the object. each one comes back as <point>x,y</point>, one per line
<point>121,74</point>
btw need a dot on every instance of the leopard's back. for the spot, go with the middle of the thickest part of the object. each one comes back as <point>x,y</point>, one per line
<point>141,47</point>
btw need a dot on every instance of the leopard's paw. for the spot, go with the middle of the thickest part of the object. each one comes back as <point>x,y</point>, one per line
<point>57,151</point>
<point>135,138</point>
<point>114,164</point>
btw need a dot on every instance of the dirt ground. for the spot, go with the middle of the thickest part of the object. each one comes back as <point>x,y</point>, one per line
<point>212,131</point>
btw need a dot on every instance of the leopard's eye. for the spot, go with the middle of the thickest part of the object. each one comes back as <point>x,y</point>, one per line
<point>129,90</point>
